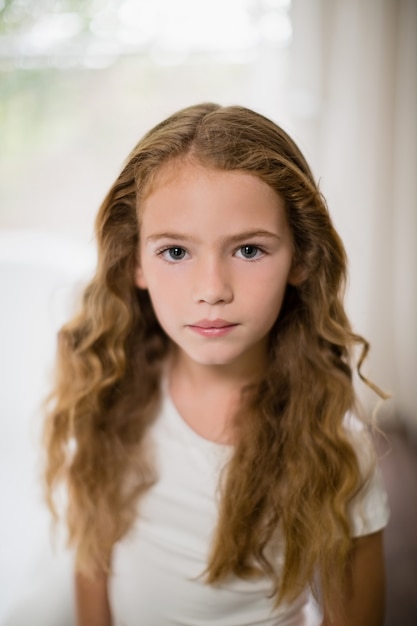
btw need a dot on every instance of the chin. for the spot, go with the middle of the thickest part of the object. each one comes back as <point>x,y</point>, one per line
<point>214,359</point>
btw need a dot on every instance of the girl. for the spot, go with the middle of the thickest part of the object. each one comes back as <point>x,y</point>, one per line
<point>202,420</point>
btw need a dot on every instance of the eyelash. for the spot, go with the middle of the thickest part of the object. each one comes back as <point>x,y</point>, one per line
<point>168,249</point>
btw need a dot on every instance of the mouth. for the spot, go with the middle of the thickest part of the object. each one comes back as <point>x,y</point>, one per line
<point>212,324</point>
<point>212,328</point>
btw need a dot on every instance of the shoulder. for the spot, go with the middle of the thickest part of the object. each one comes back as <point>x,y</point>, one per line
<point>369,509</point>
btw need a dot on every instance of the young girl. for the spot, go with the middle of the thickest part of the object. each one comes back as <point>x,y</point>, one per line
<point>204,417</point>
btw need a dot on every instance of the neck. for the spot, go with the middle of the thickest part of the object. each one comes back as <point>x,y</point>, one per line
<point>208,396</point>
<point>235,375</point>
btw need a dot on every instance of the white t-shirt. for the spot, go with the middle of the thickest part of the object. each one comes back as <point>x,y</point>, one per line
<point>157,567</point>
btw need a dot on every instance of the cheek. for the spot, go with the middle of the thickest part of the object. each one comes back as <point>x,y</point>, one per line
<point>267,297</point>
<point>165,294</point>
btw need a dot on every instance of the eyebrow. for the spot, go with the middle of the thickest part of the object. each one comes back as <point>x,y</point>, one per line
<point>247,234</point>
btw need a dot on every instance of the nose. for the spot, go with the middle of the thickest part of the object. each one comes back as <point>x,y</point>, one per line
<point>212,282</point>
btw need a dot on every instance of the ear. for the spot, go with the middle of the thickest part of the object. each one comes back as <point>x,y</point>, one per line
<point>296,276</point>
<point>139,278</point>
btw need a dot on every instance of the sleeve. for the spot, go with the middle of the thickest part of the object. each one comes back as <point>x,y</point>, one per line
<point>369,510</point>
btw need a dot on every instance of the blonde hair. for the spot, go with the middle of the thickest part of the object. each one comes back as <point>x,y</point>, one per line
<point>294,467</point>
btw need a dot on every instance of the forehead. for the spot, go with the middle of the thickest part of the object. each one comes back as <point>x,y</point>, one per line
<point>190,195</point>
<point>179,175</point>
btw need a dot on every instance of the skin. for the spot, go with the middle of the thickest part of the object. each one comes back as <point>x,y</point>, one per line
<point>194,226</point>
<point>363,603</point>
<point>216,245</point>
<point>92,602</point>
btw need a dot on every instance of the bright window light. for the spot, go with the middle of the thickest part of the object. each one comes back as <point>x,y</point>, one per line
<point>100,31</point>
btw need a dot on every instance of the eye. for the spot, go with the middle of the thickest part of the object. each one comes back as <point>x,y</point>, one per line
<point>174,253</point>
<point>249,252</point>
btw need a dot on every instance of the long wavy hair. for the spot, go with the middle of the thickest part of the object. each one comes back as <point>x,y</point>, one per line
<point>294,467</point>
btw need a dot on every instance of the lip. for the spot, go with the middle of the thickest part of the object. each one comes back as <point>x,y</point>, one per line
<point>212,328</point>
<point>218,323</point>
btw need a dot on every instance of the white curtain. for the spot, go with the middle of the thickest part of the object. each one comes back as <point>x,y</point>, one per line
<point>353,100</point>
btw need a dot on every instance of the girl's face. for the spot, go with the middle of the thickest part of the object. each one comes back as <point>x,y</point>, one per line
<point>215,255</point>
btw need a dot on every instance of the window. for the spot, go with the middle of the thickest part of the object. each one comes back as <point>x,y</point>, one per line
<point>81,81</point>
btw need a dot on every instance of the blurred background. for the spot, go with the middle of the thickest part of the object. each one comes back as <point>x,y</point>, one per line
<point>80,82</point>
